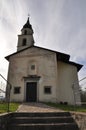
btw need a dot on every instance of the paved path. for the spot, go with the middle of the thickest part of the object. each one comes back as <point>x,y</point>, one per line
<point>36,107</point>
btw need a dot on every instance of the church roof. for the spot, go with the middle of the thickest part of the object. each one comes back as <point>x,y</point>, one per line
<point>60,56</point>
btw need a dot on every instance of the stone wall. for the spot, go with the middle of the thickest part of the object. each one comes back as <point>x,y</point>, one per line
<point>4,119</point>
<point>80,118</point>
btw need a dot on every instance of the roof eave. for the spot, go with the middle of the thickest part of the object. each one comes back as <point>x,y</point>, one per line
<point>79,66</point>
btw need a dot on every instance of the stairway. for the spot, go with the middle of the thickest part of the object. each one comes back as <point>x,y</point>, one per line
<point>42,121</point>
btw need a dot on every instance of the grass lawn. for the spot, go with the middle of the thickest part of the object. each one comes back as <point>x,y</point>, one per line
<point>12,107</point>
<point>68,107</point>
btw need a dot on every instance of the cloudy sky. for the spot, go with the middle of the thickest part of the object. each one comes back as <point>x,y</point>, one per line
<point>58,24</point>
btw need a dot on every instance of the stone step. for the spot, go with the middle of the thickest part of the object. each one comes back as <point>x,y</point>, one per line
<point>44,120</point>
<point>40,114</point>
<point>53,126</point>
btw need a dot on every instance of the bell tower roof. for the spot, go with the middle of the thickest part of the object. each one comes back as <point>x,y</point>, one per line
<point>27,24</point>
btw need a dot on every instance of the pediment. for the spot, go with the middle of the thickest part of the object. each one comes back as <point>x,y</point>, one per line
<point>32,51</point>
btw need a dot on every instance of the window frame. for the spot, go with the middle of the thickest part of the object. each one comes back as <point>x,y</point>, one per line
<point>17,90</point>
<point>33,67</point>
<point>47,89</point>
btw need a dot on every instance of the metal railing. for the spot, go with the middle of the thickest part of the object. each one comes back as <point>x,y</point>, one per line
<point>75,92</point>
<point>5,88</point>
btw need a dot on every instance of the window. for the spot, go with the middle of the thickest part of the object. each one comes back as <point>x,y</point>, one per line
<point>32,67</point>
<point>17,90</point>
<point>47,89</point>
<point>24,42</point>
<point>25,32</point>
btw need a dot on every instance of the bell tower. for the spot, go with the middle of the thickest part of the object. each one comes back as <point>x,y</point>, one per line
<point>26,38</point>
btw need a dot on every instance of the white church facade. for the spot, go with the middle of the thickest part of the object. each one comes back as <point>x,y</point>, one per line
<point>41,75</point>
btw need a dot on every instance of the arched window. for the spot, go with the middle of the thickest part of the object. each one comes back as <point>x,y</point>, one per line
<point>24,42</point>
<point>25,32</point>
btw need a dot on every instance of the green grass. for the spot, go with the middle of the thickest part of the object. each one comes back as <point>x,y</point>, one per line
<point>12,107</point>
<point>68,107</point>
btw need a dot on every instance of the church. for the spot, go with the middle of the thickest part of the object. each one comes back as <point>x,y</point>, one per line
<point>39,74</point>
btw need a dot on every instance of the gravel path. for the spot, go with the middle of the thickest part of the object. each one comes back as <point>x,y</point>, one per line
<point>36,107</point>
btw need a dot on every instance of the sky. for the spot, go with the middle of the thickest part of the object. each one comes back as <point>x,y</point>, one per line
<point>58,25</point>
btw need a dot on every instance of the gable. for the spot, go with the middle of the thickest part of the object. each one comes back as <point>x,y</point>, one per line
<point>39,51</point>
<point>30,52</point>
<point>60,56</point>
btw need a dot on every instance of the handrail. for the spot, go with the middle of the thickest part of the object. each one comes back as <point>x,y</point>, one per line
<point>82,79</point>
<point>5,80</point>
<point>2,91</point>
<point>8,98</point>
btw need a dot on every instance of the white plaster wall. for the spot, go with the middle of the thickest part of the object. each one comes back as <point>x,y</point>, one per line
<point>59,75</point>
<point>17,70</point>
<point>47,70</point>
<point>29,42</point>
<point>46,66</point>
<point>67,77</point>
